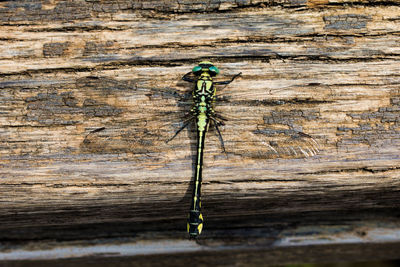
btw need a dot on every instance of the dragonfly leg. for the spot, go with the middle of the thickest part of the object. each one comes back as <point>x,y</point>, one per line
<point>185,124</point>
<point>186,78</point>
<point>219,116</point>
<point>216,123</point>
<point>231,80</point>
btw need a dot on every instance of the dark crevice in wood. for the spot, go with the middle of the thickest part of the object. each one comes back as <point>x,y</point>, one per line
<point>275,102</point>
<point>377,3</point>
<point>95,28</point>
<point>179,62</point>
<point>351,170</point>
<point>237,181</point>
<point>363,84</point>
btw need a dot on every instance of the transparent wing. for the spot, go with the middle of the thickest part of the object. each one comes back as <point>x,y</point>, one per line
<point>147,116</point>
<point>267,130</point>
<point>253,128</point>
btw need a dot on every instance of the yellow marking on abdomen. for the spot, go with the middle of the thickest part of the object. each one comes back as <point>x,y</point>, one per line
<point>201,124</point>
<point>198,167</point>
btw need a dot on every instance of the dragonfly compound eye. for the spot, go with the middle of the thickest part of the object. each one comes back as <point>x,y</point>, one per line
<point>214,70</point>
<point>196,69</point>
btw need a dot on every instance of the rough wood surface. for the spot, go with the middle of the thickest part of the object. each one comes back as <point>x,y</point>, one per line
<point>91,90</point>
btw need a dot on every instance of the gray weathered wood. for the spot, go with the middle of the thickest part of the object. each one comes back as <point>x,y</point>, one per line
<point>91,90</point>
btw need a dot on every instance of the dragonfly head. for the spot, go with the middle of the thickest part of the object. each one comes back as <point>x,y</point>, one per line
<point>205,66</point>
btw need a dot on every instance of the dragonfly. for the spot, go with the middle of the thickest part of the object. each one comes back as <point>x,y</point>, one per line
<point>279,136</point>
<point>203,113</point>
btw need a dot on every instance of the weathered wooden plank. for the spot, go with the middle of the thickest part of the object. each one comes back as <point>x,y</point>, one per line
<point>185,252</point>
<point>257,34</point>
<point>91,90</point>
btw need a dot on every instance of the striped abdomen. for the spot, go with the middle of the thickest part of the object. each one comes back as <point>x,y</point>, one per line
<point>195,220</point>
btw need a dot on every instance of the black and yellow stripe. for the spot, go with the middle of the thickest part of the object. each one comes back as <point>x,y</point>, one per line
<point>195,220</point>
<point>203,99</point>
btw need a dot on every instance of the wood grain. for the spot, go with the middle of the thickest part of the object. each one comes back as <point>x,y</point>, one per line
<point>91,90</point>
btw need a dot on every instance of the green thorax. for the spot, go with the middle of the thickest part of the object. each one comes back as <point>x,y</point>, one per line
<point>203,96</point>
<point>204,87</point>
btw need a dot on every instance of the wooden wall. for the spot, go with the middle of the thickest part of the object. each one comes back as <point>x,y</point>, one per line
<point>91,90</point>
